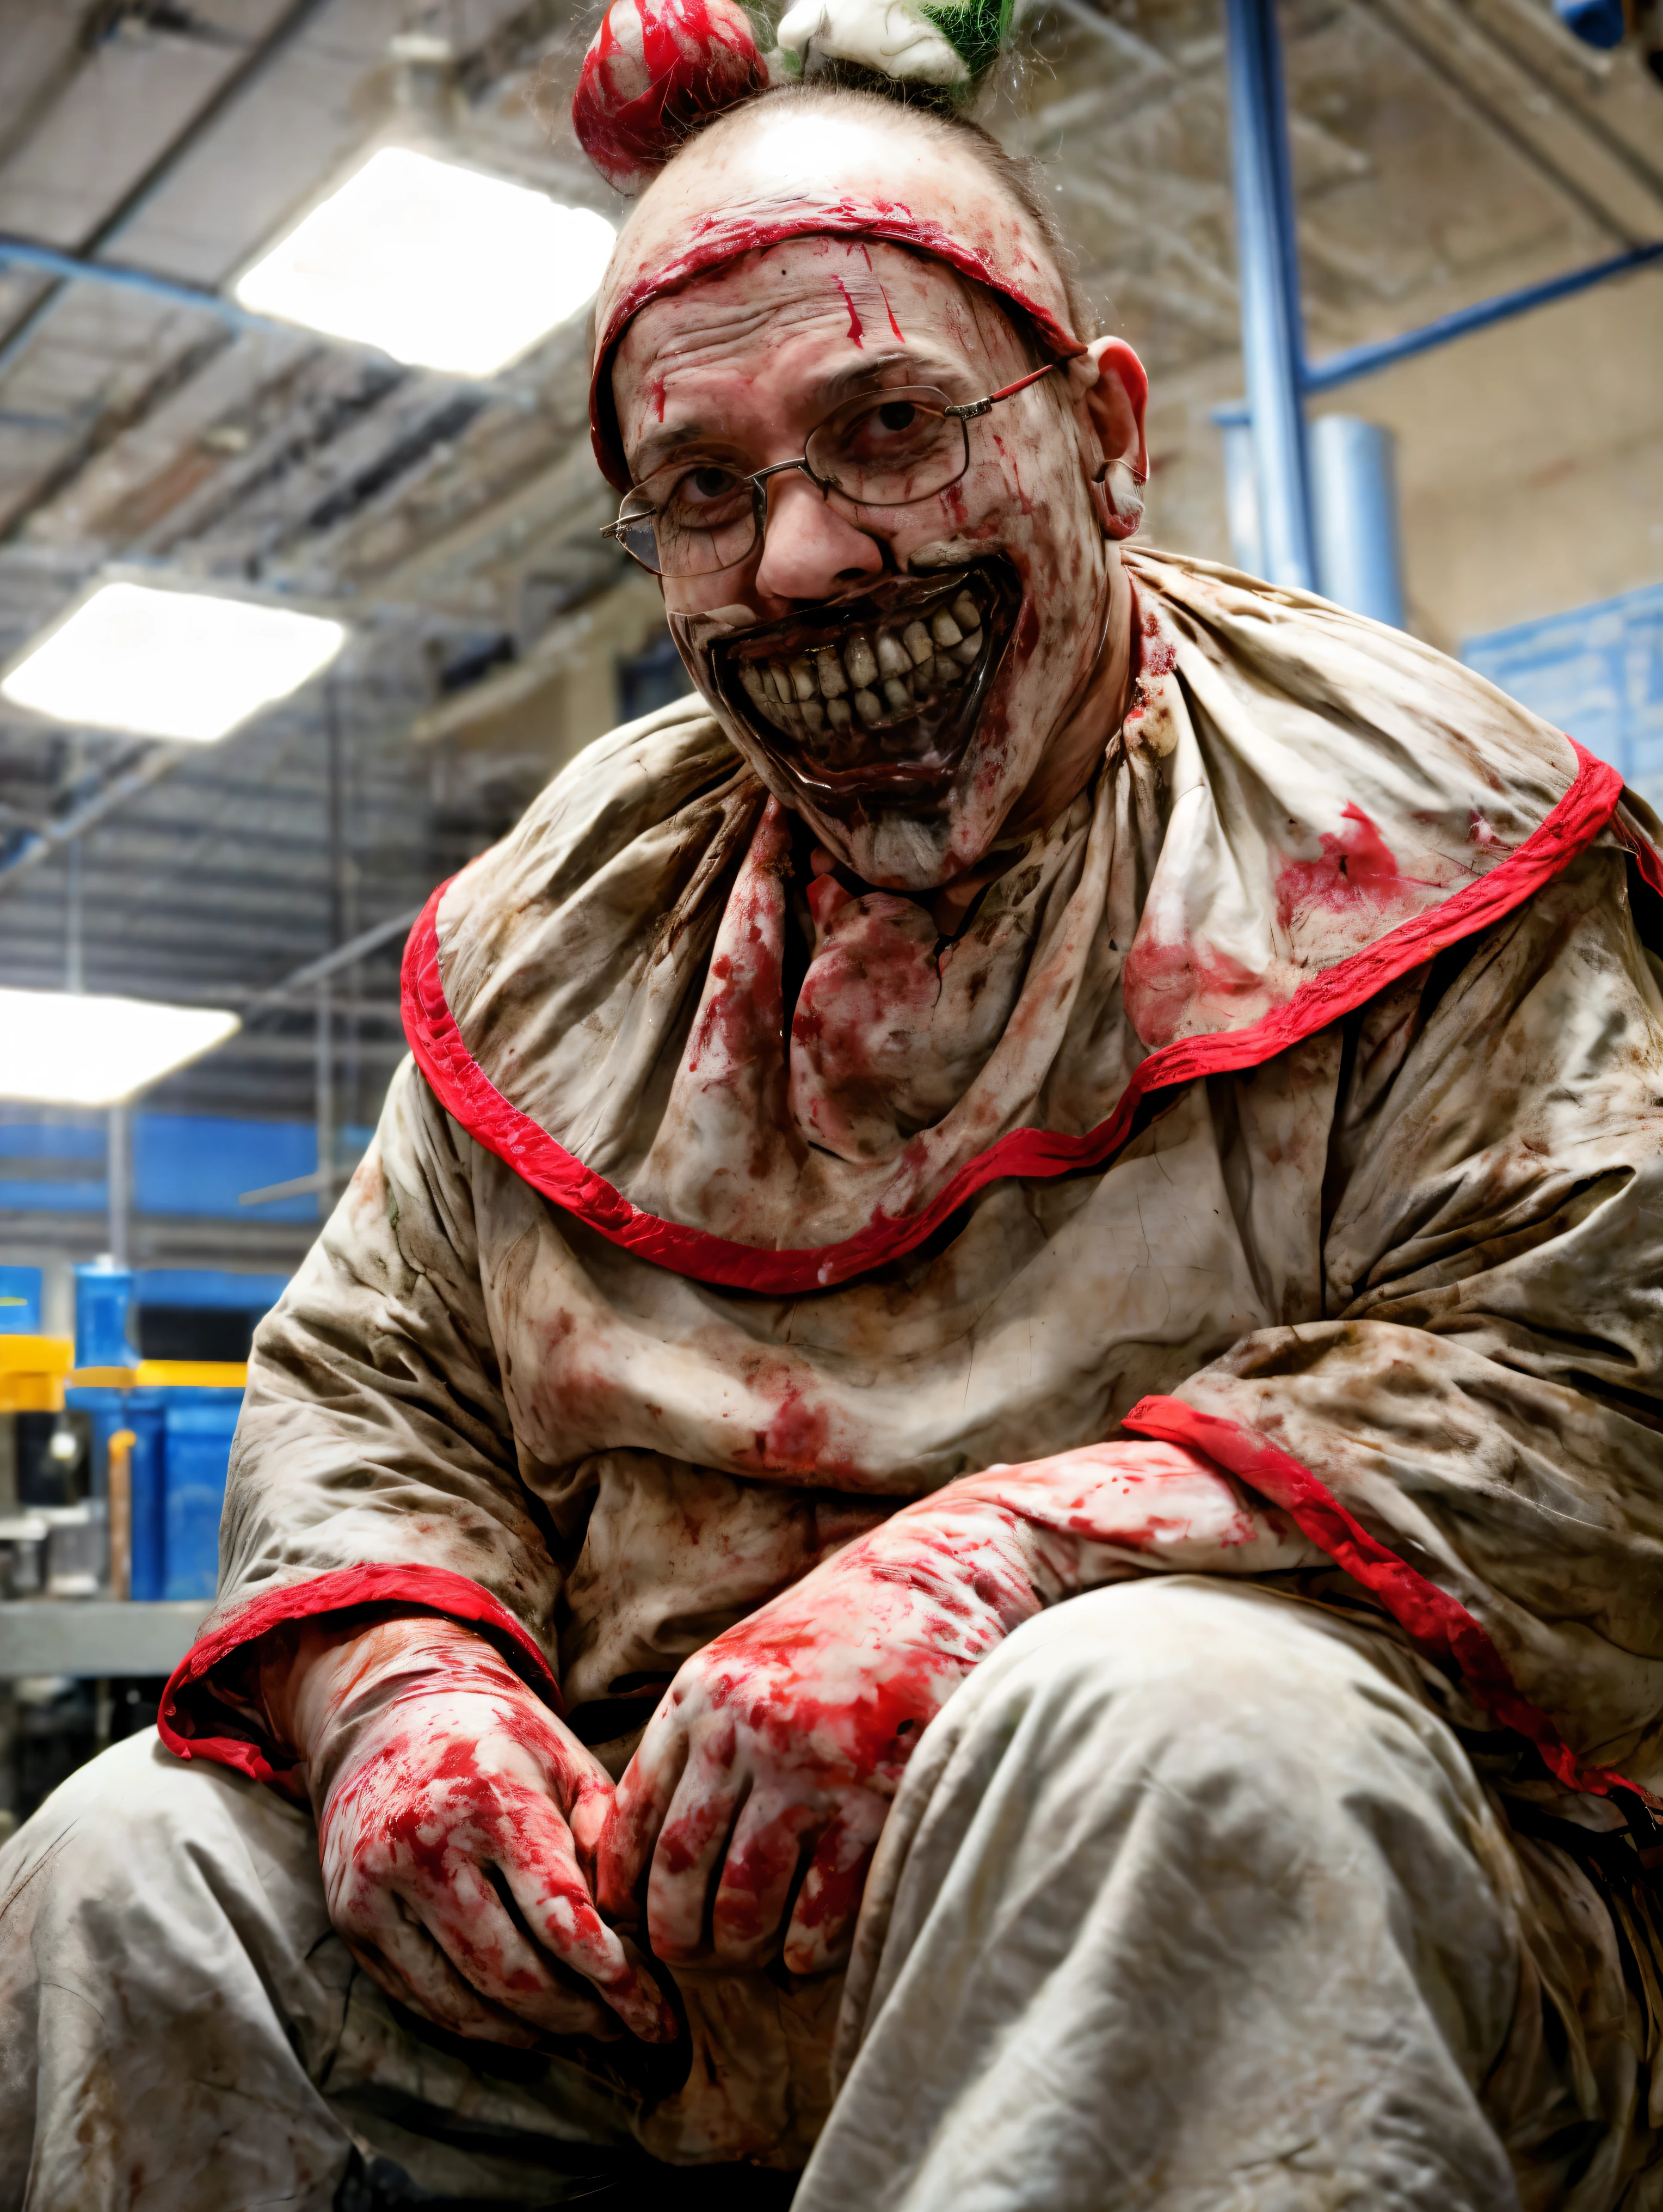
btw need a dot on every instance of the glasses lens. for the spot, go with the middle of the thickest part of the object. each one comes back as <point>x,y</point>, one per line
<point>690,519</point>
<point>637,536</point>
<point>888,448</point>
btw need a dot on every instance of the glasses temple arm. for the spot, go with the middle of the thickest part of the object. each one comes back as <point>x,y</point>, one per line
<point>980,406</point>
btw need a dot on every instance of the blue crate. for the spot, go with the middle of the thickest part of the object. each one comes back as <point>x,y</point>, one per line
<point>103,1294</point>
<point>198,1428</point>
<point>19,1301</point>
<point>180,1456</point>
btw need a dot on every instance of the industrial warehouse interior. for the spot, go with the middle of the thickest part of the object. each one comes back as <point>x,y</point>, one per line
<point>306,591</point>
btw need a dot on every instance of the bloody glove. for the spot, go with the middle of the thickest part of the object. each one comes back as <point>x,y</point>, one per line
<point>789,1733</point>
<point>453,1813</point>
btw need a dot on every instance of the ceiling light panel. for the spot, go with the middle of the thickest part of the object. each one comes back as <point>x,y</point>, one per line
<point>168,664</point>
<point>73,1049</point>
<point>436,264</point>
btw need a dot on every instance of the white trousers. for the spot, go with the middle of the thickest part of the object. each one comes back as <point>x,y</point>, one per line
<point>1189,1902</point>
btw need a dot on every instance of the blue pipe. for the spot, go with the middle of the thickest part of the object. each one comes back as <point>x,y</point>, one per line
<point>1353,513</point>
<point>1365,360</point>
<point>1272,349</point>
<point>24,253</point>
<point>77,269</point>
<point>256,62</point>
<point>1384,352</point>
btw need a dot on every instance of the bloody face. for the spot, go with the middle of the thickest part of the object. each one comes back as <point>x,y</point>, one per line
<point>895,674</point>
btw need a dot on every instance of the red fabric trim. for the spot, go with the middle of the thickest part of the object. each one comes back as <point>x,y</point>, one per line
<point>1646,855</point>
<point>719,238</point>
<point>1439,1623</point>
<point>435,1588</point>
<point>465,1091</point>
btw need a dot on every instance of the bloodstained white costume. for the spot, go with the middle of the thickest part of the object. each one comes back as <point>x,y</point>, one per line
<point>1295,1095</point>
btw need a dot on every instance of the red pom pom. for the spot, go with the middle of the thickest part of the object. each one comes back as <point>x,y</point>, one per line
<point>654,67</point>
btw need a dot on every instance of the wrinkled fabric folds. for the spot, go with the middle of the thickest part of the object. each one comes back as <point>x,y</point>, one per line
<point>1188,1903</point>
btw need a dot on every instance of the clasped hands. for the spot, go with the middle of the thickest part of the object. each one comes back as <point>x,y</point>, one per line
<point>474,1852</point>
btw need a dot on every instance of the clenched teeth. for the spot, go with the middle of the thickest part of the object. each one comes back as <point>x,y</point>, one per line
<point>876,675</point>
<point>859,661</point>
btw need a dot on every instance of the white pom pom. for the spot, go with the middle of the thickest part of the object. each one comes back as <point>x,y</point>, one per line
<point>892,38</point>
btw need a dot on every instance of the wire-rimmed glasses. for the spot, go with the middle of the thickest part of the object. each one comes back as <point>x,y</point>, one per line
<point>889,448</point>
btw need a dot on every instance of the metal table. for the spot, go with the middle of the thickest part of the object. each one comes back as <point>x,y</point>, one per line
<point>96,1636</point>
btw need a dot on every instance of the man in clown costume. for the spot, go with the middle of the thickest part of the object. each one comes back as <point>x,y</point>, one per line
<point>968,1499</point>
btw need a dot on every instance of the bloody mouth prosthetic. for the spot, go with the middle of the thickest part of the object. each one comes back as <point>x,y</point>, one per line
<point>878,694</point>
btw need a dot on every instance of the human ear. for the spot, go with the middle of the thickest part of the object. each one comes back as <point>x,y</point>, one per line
<point>1111,392</point>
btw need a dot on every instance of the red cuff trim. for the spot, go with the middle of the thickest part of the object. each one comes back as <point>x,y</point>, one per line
<point>1442,1626</point>
<point>435,1588</point>
<point>465,1091</point>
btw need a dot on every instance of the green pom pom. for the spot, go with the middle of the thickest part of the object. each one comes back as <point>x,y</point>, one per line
<point>975,29</point>
<point>927,46</point>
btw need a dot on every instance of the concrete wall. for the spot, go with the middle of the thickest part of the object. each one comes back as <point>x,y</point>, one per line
<point>1530,461</point>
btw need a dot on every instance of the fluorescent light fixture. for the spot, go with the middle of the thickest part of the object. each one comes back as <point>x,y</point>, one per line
<point>435,264</point>
<point>168,664</point>
<point>70,1049</point>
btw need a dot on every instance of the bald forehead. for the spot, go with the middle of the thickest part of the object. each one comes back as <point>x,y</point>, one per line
<point>802,325</point>
<point>766,295</point>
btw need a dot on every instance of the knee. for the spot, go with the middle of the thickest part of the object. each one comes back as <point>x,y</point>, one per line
<point>1199,1683</point>
<point>136,1833</point>
<point>1194,1771</point>
<point>110,1817</point>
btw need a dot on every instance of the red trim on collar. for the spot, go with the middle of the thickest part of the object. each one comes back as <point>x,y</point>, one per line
<point>1645,854</point>
<point>465,1091</point>
<point>434,1590</point>
<point>1439,1624</point>
<point>719,238</point>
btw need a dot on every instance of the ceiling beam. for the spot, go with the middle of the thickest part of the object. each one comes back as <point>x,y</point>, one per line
<point>122,784</point>
<point>393,930</point>
<point>1590,68</point>
<point>238,81</point>
<point>1551,139</point>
